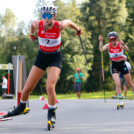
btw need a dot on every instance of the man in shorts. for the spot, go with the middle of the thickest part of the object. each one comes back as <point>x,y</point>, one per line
<point>77,80</point>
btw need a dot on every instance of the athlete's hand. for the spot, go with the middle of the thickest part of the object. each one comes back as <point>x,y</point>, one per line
<point>33,37</point>
<point>122,43</point>
<point>123,46</point>
<point>100,38</point>
<point>78,32</point>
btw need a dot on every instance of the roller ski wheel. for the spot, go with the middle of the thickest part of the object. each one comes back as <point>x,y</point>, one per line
<point>50,125</point>
<point>120,106</point>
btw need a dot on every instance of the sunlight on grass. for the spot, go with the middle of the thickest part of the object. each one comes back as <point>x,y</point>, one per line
<point>93,95</point>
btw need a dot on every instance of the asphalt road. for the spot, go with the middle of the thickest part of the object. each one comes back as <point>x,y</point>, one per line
<point>85,116</point>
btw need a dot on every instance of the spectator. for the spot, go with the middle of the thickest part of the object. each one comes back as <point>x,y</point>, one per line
<point>77,81</point>
<point>4,85</point>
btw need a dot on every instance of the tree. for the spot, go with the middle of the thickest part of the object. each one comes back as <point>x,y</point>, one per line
<point>101,18</point>
<point>7,24</point>
<point>129,28</point>
<point>93,17</point>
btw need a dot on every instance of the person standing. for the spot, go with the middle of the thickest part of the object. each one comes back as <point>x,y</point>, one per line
<point>49,56</point>
<point>116,52</point>
<point>4,85</point>
<point>77,80</point>
<point>122,79</point>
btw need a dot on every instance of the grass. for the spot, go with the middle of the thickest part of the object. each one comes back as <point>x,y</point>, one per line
<point>93,95</point>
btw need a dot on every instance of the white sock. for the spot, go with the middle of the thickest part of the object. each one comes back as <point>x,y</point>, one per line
<point>23,101</point>
<point>52,107</point>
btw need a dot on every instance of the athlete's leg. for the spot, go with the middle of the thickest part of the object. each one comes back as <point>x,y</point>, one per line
<point>78,89</point>
<point>129,81</point>
<point>53,74</point>
<point>33,78</point>
<point>118,87</point>
<point>125,90</point>
<point>78,94</point>
<point>117,82</point>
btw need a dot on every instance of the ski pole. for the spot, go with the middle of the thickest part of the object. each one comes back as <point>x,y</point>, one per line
<point>129,59</point>
<point>102,65</point>
<point>83,48</point>
<point>103,73</point>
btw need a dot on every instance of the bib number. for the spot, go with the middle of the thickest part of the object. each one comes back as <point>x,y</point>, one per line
<point>48,41</point>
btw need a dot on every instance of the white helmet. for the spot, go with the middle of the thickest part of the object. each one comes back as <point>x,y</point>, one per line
<point>112,35</point>
<point>48,9</point>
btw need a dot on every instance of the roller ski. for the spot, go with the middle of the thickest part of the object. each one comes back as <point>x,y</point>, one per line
<point>51,118</point>
<point>120,106</point>
<point>2,118</point>
<point>20,109</point>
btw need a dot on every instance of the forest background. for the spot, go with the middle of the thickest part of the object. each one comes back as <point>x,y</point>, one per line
<point>94,17</point>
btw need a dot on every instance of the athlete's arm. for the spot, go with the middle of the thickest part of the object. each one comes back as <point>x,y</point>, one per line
<point>105,47</point>
<point>34,26</point>
<point>65,23</point>
<point>123,46</point>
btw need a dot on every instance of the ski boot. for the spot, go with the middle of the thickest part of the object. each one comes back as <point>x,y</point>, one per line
<point>114,97</point>
<point>51,118</point>
<point>20,109</point>
<point>121,104</point>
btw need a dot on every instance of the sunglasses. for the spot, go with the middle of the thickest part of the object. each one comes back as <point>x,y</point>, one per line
<point>112,39</point>
<point>49,16</point>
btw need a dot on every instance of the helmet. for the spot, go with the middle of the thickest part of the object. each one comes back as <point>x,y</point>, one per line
<point>48,9</point>
<point>112,35</point>
<point>77,69</point>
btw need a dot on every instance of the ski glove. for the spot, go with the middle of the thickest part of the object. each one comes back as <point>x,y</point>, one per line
<point>78,32</point>
<point>33,37</point>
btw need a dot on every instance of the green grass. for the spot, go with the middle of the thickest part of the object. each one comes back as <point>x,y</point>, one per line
<point>93,95</point>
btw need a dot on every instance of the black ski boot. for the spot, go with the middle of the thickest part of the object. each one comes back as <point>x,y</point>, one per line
<point>51,118</point>
<point>20,109</point>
